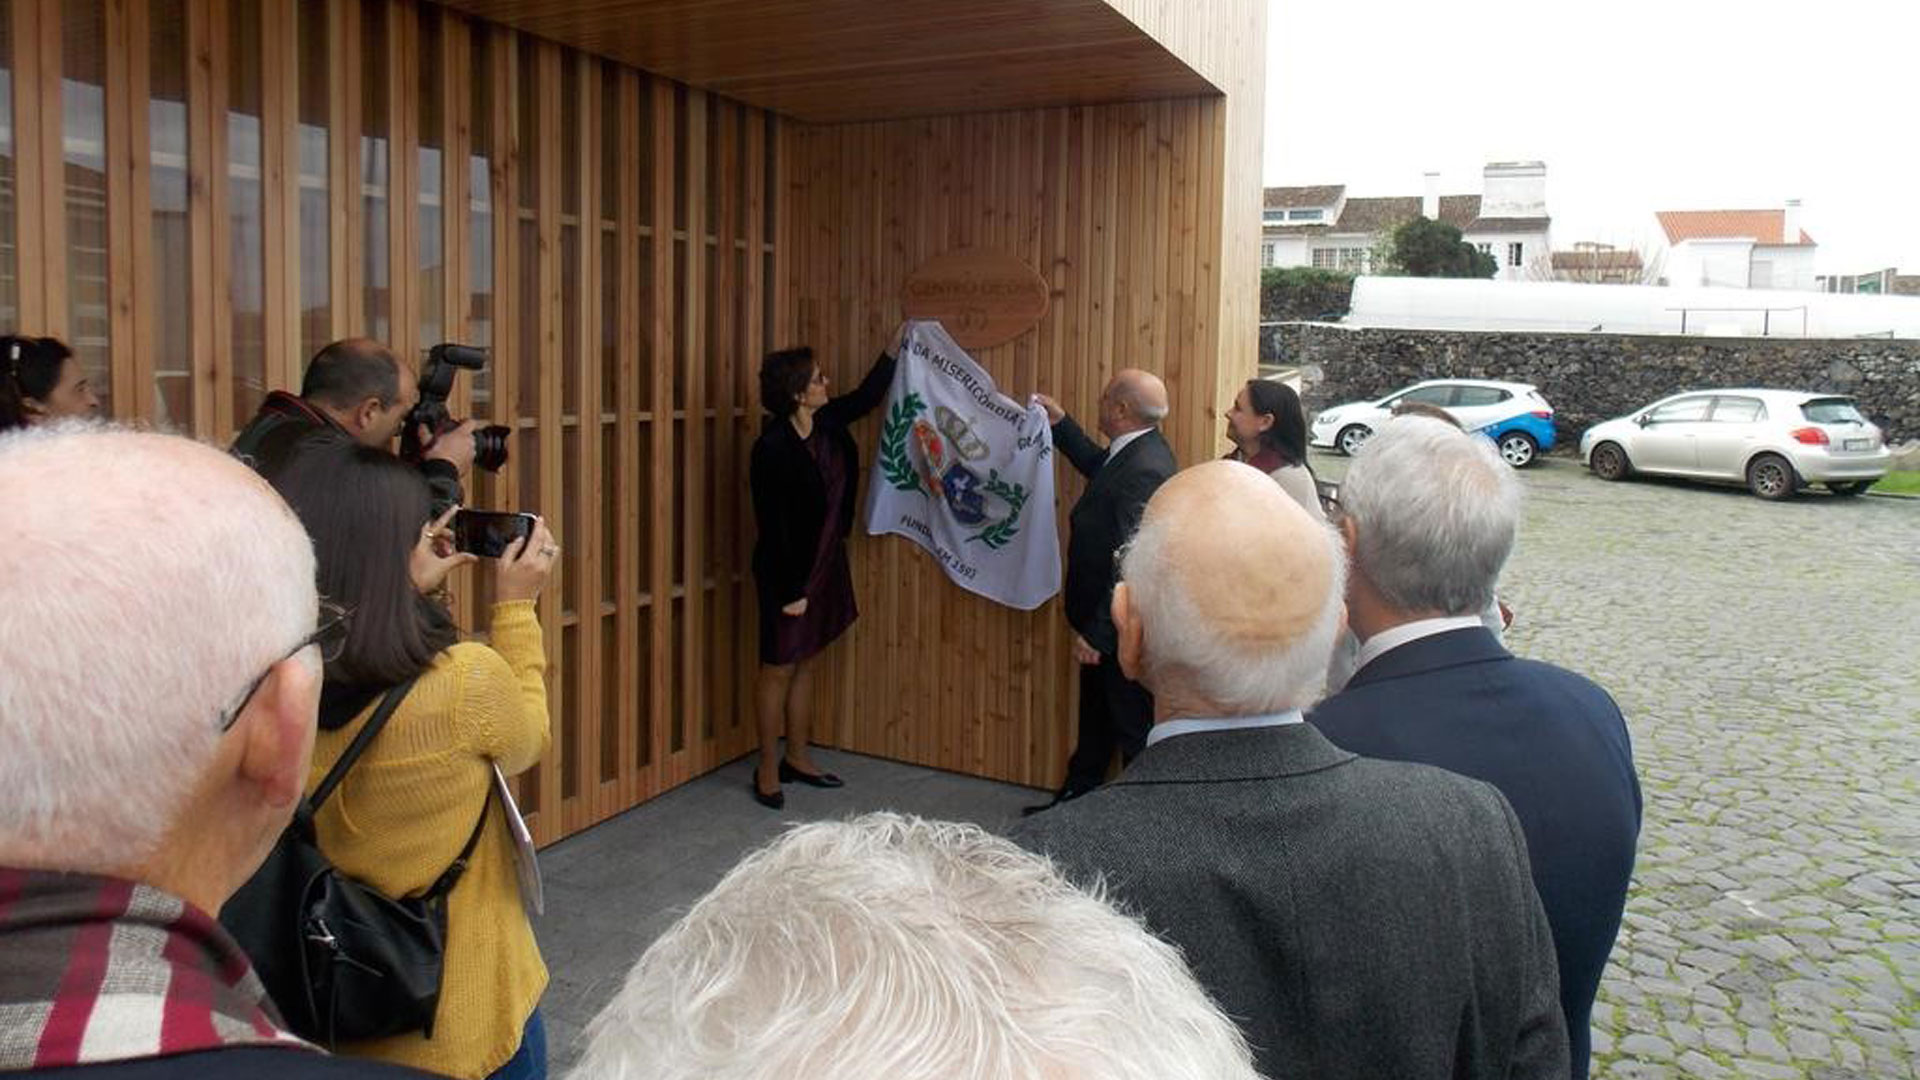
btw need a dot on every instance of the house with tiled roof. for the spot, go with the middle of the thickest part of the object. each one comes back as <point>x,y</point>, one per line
<point>1323,226</point>
<point>1741,249</point>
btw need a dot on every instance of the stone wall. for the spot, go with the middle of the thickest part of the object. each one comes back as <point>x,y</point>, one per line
<point>1593,377</point>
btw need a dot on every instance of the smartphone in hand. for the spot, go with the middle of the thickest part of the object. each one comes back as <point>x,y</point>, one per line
<point>490,534</point>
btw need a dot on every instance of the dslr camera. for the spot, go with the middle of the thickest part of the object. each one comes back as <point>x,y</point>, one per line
<point>436,382</point>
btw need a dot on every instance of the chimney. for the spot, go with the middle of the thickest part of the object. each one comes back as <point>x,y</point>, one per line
<point>1430,202</point>
<point>1790,232</point>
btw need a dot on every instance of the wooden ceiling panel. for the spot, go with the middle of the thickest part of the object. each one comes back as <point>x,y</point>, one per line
<point>830,61</point>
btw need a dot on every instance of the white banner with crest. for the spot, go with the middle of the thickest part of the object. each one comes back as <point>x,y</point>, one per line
<point>967,473</point>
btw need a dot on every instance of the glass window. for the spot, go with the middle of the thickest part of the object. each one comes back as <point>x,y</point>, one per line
<point>480,301</point>
<point>432,222</point>
<point>375,176</point>
<point>1353,258</point>
<point>9,238</point>
<point>316,84</point>
<point>1832,411</point>
<point>1273,217</point>
<point>83,76</point>
<point>1429,395</point>
<point>1325,258</point>
<point>246,212</point>
<point>1738,410</point>
<point>1514,254</point>
<point>1480,395</point>
<point>171,275</point>
<point>1305,215</point>
<point>1688,408</point>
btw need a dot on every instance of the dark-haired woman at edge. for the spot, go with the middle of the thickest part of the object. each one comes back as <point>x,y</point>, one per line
<point>40,381</point>
<point>1268,429</point>
<point>805,471</point>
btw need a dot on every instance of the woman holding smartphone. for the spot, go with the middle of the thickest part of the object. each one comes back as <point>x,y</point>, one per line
<point>407,808</point>
<point>805,471</point>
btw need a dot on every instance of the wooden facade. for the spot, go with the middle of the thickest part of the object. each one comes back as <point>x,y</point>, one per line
<point>198,193</point>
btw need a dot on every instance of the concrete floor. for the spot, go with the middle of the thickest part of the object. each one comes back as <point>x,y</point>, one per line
<point>614,888</point>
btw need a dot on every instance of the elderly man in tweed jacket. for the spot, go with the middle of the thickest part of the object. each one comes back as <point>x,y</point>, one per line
<point>1358,918</point>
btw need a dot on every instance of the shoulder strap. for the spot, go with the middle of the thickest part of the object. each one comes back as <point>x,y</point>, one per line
<point>359,745</point>
<point>450,877</point>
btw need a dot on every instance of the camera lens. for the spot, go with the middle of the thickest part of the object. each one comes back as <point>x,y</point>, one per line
<point>490,447</point>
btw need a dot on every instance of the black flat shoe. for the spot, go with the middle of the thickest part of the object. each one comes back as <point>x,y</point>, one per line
<point>789,774</point>
<point>775,801</point>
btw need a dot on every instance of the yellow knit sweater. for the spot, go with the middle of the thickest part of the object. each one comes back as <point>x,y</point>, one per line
<point>408,805</point>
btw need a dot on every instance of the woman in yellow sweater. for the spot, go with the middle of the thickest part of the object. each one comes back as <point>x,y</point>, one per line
<point>409,805</point>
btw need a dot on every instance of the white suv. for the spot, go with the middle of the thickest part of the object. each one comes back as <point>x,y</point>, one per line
<point>1513,415</point>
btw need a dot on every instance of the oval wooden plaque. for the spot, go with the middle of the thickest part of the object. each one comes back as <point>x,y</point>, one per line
<point>982,296</point>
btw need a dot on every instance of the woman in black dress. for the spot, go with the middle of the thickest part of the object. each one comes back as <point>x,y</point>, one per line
<point>805,471</point>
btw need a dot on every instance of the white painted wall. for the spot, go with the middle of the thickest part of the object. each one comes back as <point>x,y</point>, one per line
<point>1788,266</point>
<point>1516,190</point>
<point>1462,304</point>
<point>1533,246</point>
<point>1722,263</point>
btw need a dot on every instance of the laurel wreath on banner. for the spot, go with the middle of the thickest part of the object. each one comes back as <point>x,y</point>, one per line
<point>1000,533</point>
<point>893,443</point>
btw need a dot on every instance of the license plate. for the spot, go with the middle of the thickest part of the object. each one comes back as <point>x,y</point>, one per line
<point>1858,444</point>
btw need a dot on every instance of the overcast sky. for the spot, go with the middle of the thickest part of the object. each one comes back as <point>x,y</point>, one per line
<point>1634,105</point>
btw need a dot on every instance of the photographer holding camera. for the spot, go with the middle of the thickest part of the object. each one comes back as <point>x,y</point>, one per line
<point>358,387</point>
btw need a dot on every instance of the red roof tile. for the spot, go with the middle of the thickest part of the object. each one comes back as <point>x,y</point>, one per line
<point>1760,226</point>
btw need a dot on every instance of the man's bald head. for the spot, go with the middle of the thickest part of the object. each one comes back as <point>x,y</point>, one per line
<point>365,388</point>
<point>1134,400</point>
<point>1235,591</point>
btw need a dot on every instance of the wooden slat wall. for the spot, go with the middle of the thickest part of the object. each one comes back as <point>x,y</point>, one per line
<point>732,231</point>
<point>1117,206</point>
<point>648,620</point>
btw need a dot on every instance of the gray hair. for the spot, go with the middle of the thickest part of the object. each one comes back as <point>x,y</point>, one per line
<point>1183,644</point>
<point>144,580</point>
<point>1435,513</point>
<point>891,946</point>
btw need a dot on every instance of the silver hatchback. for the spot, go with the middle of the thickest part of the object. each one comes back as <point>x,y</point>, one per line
<point>1774,441</point>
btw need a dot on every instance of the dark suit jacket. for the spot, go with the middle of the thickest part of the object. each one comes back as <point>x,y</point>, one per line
<point>1357,918</point>
<point>1104,518</point>
<point>1552,742</point>
<point>789,498</point>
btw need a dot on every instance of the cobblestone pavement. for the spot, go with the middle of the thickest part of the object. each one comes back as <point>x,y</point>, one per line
<point>1767,657</point>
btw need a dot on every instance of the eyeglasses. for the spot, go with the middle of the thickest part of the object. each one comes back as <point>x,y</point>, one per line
<point>330,635</point>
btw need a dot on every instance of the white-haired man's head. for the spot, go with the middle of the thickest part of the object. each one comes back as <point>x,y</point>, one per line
<point>1430,514</point>
<point>891,946</point>
<point>146,581</point>
<point>1230,597</point>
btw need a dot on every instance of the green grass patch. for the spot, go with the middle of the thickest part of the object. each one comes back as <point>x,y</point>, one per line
<point>1902,482</point>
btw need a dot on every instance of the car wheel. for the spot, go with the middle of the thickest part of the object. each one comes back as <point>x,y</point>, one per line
<point>1352,438</point>
<point>1518,448</point>
<point>1609,462</point>
<point>1848,487</point>
<point>1770,477</point>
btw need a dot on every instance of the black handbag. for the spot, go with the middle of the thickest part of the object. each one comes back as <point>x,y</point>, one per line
<point>343,961</point>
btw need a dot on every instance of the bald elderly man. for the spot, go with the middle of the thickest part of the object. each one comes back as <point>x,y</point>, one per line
<point>160,653</point>
<point>1115,711</point>
<point>1359,918</point>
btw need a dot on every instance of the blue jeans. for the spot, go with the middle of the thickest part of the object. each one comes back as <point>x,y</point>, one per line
<point>530,1061</point>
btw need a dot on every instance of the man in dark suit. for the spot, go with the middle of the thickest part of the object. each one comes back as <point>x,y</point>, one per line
<point>1429,515</point>
<point>1115,711</point>
<point>1358,918</point>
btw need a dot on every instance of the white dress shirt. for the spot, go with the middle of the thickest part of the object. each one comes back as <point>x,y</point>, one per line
<point>1167,729</point>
